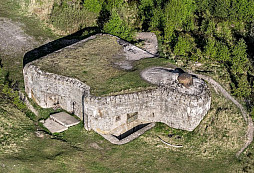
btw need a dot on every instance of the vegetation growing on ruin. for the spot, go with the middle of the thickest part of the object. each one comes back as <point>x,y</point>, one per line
<point>208,31</point>
<point>211,145</point>
<point>93,64</point>
<point>218,25</point>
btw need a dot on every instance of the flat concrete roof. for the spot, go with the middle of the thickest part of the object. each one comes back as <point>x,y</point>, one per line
<point>64,119</point>
<point>53,126</point>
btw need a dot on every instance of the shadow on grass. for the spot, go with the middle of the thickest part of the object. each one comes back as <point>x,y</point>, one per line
<point>55,45</point>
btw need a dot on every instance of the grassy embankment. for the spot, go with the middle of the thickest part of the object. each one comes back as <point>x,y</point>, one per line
<point>13,63</point>
<point>210,148</point>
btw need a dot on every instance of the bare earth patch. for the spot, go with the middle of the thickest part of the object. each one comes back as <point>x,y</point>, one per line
<point>13,40</point>
<point>150,42</point>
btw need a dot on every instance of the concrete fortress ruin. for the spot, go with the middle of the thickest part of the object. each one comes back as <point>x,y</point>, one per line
<point>118,117</point>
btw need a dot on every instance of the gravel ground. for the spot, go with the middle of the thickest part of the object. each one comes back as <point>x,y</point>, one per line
<point>13,40</point>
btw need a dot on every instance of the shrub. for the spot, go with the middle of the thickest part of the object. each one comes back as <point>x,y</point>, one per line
<point>183,46</point>
<point>240,62</point>
<point>210,51</point>
<point>116,26</point>
<point>223,53</point>
<point>93,5</point>
<point>177,12</point>
<point>243,88</point>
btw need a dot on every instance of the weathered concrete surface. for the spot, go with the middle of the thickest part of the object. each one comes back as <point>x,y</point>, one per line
<point>133,53</point>
<point>168,77</point>
<point>171,103</point>
<point>179,110</point>
<point>150,42</point>
<point>130,53</point>
<point>64,119</point>
<point>51,90</point>
<point>53,126</point>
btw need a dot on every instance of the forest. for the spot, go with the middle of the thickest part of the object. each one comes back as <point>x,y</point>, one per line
<point>205,31</point>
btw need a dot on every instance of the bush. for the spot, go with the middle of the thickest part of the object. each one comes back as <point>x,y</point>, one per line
<point>240,62</point>
<point>183,46</point>
<point>243,88</point>
<point>223,54</point>
<point>210,51</point>
<point>177,13</point>
<point>93,5</point>
<point>72,17</point>
<point>116,26</point>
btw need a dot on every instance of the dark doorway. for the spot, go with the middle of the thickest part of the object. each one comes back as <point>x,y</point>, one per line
<point>131,131</point>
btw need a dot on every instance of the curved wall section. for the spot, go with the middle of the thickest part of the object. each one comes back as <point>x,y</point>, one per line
<point>52,90</point>
<point>171,104</point>
<point>117,114</point>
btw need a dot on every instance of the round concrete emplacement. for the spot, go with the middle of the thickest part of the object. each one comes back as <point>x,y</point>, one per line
<point>169,78</point>
<point>185,79</point>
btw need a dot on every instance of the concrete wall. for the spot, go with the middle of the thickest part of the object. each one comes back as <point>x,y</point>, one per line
<point>50,90</point>
<point>116,114</point>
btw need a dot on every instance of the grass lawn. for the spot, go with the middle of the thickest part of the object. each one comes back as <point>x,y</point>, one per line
<point>92,63</point>
<point>31,26</point>
<point>211,147</point>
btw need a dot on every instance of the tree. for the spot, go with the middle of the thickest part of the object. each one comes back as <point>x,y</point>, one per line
<point>223,53</point>
<point>93,5</point>
<point>243,87</point>
<point>146,13</point>
<point>177,12</point>
<point>116,26</point>
<point>183,46</point>
<point>240,62</point>
<point>210,49</point>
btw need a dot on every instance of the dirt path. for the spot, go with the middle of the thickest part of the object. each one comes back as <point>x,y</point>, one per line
<point>13,40</point>
<point>219,88</point>
<point>246,117</point>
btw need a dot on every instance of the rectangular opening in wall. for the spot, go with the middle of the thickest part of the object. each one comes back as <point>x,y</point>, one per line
<point>131,131</point>
<point>132,117</point>
<point>118,118</point>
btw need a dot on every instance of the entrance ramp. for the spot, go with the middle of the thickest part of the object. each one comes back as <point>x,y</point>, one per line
<point>60,122</point>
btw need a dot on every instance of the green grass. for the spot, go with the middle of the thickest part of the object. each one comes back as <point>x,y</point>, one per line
<point>211,147</point>
<point>71,18</point>
<point>15,127</point>
<point>92,63</point>
<point>14,64</point>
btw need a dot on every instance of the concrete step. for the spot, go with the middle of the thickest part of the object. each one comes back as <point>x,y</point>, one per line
<point>64,119</point>
<point>53,126</point>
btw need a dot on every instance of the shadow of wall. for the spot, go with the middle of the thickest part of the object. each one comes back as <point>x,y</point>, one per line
<point>55,45</point>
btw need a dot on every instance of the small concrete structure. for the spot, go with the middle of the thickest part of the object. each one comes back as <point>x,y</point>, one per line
<point>53,126</point>
<point>60,122</point>
<point>185,79</point>
<point>64,119</point>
